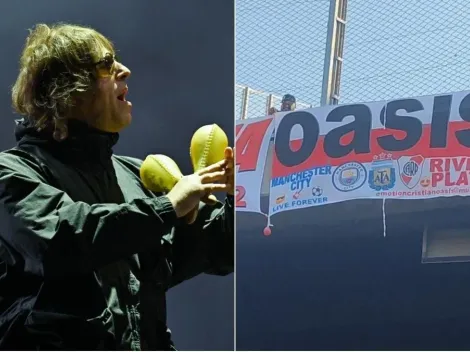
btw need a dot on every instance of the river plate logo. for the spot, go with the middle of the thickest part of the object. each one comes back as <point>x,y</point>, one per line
<point>411,168</point>
<point>349,176</point>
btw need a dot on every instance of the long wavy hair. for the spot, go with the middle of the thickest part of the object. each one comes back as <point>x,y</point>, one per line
<point>57,65</point>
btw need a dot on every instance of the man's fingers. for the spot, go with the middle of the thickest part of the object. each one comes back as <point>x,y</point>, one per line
<point>223,164</point>
<point>213,177</point>
<point>228,153</point>
<point>209,199</point>
<point>230,164</point>
<point>211,168</point>
<point>216,187</point>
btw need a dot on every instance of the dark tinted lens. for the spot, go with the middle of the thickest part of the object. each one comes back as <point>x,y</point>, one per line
<point>108,61</point>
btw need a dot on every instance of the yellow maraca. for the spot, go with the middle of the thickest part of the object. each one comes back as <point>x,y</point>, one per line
<point>159,173</point>
<point>207,148</point>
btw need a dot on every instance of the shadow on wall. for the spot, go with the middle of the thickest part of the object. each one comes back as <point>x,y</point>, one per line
<point>347,287</point>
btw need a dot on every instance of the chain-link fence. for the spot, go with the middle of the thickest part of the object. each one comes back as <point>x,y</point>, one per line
<point>254,103</point>
<point>392,48</point>
<point>400,48</point>
<point>280,49</point>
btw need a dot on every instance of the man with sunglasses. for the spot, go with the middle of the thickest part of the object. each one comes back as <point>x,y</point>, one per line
<point>89,252</point>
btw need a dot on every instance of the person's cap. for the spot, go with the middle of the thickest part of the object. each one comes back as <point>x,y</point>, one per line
<point>288,97</point>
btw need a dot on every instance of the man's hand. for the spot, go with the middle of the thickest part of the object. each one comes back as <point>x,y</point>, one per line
<point>187,193</point>
<point>272,111</point>
<point>229,170</point>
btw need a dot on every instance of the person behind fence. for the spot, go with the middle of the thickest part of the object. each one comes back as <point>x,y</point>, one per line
<point>89,252</point>
<point>287,104</point>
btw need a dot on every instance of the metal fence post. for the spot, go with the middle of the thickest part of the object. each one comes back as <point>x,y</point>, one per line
<point>245,100</point>
<point>334,52</point>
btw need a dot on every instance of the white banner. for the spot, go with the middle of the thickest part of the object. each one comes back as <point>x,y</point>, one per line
<point>252,142</point>
<point>410,148</point>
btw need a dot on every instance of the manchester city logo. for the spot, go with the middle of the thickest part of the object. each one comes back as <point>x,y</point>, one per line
<point>349,176</point>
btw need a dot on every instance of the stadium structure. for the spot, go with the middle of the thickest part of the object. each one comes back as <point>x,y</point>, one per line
<point>330,278</point>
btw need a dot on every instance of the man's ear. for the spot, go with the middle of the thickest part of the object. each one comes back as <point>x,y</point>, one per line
<point>78,98</point>
<point>75,107</point>
<point>80,102</point>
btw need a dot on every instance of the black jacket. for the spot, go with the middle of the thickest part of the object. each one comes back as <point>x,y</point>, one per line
<point>88,253</point>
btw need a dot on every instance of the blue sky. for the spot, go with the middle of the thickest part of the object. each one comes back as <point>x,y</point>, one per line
<point>393,48</point>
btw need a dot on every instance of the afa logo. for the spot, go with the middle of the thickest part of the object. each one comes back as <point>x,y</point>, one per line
<point>382,173</point>
<point>349,176</point>
<point>411,168</point>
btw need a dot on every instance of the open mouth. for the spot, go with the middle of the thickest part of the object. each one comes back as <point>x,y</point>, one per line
<point>122,96</point>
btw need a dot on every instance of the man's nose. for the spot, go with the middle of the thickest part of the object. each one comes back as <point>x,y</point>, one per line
<point>123,72</point>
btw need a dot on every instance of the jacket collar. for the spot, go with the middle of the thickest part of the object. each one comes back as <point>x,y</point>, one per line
<point>83,143</point>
